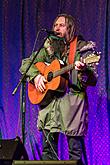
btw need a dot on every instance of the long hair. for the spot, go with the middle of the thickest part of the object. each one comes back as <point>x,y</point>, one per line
<point>70,23</point>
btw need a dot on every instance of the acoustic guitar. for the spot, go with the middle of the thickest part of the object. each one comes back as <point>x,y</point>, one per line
<point>54,76</point>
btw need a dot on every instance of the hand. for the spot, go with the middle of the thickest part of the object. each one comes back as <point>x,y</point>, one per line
<point>39,82</point>
<point>79,65</point>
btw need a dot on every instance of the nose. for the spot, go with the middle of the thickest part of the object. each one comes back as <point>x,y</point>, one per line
<point>57,28</point>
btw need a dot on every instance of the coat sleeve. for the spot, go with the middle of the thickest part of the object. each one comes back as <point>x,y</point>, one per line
<point>89,76</point>
<point>33,71</point>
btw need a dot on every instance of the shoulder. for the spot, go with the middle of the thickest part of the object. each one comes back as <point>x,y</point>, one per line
<point>85,46</point>
<point>80,42</point>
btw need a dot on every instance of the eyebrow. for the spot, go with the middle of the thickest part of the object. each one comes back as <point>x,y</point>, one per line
<point>60,24</point>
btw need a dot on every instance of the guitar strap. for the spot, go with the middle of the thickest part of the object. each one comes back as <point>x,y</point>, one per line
<point>72,51</point>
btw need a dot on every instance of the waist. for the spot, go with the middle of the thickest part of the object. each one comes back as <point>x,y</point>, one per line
<point>73,88</point>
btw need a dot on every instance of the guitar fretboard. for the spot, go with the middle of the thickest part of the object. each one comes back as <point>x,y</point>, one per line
<point>88,60</point>
<point>63,70</point>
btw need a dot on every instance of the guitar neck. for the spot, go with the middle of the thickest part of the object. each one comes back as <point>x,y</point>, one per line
<point>63,70</point>
<point>92,58</point>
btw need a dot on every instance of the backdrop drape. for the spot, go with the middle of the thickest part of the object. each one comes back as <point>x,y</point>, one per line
<point>20,21</point>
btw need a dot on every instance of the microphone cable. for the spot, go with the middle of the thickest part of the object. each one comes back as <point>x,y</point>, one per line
<point>47,137</point>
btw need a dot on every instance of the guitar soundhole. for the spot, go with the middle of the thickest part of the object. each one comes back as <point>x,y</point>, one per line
<point>50,76</point>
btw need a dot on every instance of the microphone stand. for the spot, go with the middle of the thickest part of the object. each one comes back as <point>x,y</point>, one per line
<point>23,107</point>
<point>22,82</point>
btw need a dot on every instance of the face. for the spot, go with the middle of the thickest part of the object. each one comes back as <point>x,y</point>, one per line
<point>61,28</point>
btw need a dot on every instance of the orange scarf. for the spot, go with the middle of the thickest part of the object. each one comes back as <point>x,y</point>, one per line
<point>72,51</point>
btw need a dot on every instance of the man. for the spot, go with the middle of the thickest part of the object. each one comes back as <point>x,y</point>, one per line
<point>66,111</point>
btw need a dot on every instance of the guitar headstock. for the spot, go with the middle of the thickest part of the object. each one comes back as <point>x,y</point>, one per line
<point>92,58</point>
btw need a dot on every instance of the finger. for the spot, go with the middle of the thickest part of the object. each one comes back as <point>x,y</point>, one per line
<point>42,82</point>
<point>41,85</point>
<point>36,85</point>
<point>81,59</point>
<point>44,79</point>
<point>77,68</point>
<point>81,64</point>
<point>41,89</point>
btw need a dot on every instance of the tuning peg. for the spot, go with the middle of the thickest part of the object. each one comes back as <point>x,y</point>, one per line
<point>99,53</point>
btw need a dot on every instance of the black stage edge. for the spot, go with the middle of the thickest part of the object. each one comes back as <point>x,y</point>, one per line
<point>12,149</point>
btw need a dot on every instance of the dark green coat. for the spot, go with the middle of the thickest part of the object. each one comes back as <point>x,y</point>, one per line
<point>66,112</point>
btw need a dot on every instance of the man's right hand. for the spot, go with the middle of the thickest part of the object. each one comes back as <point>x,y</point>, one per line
<point>39,82</point>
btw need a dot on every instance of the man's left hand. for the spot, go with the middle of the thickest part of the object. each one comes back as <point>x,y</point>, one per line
<point>79,65</point>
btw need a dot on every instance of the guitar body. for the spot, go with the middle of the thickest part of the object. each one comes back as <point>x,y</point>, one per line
<point>56,83</point>
<point>57,79</point>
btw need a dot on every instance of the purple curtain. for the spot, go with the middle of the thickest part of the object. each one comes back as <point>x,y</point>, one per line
<point>20,21</point>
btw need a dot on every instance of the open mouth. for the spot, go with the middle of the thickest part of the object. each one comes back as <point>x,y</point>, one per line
<point>58,34</point>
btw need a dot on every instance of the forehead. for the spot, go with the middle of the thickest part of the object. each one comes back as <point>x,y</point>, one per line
<point>60,20</point>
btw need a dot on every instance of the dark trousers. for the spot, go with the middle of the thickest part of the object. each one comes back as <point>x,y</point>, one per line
<point>50,146</point>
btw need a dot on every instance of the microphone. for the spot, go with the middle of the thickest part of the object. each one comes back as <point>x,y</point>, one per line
<point>50,32</point>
